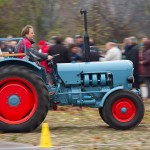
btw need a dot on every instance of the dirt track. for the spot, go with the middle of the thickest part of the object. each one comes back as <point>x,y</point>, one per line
<point>83,129</point>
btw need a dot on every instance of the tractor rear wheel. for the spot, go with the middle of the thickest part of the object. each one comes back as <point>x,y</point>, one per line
<point>24,99</point>
<point>123,110</point>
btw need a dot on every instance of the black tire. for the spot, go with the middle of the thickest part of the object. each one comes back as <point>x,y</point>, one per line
<point>123,110</point>
<point>30,101</point>
<point>100,110</point>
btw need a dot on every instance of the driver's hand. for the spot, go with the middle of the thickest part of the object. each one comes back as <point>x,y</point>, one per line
<point>50,57</point>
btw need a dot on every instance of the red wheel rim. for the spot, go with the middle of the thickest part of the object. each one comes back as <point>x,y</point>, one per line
<point>18,101</point>
<point>123,110</point>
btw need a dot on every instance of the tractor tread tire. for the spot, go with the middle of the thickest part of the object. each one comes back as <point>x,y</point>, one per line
<point>42,96</point>
<point>120,125</point>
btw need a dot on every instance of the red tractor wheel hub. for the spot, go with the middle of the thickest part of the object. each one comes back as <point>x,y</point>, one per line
<point>18,100</point>
<point>123,110</point>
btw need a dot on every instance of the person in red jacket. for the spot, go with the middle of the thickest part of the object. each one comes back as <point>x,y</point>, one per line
<point>26,45</point>
<point>43,48</point>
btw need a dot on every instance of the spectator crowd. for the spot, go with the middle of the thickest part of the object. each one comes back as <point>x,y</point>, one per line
<point>71,49</point>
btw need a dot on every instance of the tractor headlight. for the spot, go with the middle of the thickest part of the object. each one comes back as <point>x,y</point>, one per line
<point>130,79</point>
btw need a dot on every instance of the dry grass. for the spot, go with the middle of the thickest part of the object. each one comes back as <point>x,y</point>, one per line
<point>84,130</point>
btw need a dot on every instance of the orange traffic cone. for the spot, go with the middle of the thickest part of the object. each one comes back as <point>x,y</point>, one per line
<point>45,140</point>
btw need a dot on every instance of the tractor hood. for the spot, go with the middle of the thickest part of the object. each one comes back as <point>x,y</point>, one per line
<point>70,73</point>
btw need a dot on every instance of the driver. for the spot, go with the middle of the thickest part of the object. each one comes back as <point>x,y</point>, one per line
<point>25,46</point>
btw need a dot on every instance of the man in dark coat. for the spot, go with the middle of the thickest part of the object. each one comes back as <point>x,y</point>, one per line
<point>132,54</point>
<point>60,49</point>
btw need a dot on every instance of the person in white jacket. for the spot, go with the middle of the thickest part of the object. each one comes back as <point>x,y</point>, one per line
<point>113,52</point>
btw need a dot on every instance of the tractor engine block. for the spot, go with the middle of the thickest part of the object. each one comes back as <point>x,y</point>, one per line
<point>97,79</point>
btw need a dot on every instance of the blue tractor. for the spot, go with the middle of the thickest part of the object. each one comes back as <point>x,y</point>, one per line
<point>26,96</point>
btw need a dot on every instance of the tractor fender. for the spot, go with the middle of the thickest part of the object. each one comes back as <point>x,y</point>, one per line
<point>22,62</point>
<point>109,93</point>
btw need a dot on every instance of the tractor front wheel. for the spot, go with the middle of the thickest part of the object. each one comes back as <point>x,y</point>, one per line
<point>100,109</point>
<point>123,110</point>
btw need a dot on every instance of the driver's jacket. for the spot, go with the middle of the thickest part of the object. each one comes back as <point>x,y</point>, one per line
<point>25,46</point>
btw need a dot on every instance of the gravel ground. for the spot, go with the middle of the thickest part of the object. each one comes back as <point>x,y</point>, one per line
<point>73,128</point>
